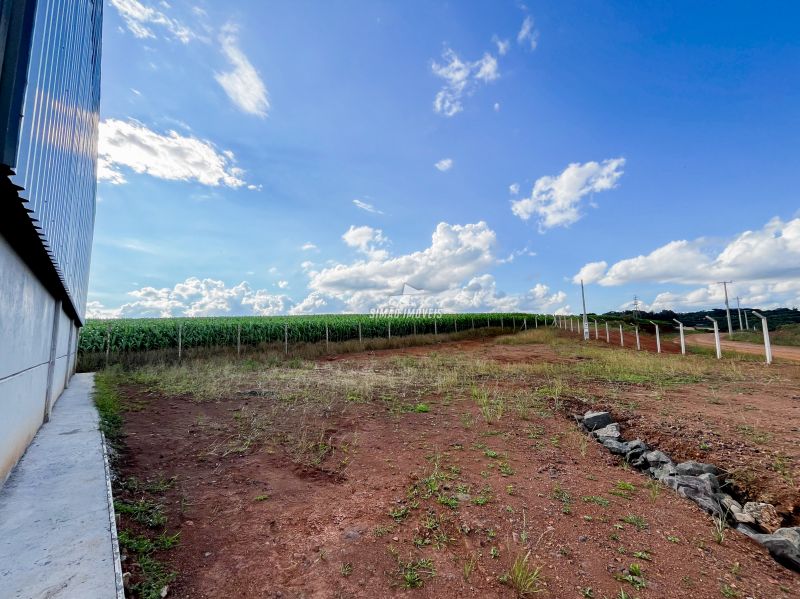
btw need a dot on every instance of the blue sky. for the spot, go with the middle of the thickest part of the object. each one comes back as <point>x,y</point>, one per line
<point>294,157</point>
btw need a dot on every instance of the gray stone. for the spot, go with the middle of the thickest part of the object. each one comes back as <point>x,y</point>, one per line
<point>692,468</point>
<point>634,449</point>
<point>610,431</point>
<point>728,503</point>
<point>764,514</point>
<point>749,531</point>
<point>710,479</point>
<point>698,490</point>
<point>595,420</point>
<point>663,472</point>
<point>651,459</point>
<point>613,445</point>
<point>742,518</point>
<point>682,481</point>
<point>783,544</point>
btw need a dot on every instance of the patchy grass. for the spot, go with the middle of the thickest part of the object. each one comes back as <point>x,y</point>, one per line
<point>444,505</point>
<point>524,577</point>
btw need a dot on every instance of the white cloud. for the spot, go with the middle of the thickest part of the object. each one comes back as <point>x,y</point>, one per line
<point>557,200</point>
<point>497,106</point>
<point>366,240</point>
<point>764,265</point>
<point>528,35</point>
<point>502,45</point>
<point>450,274</point>
<point>590,273</point>
<point>487,68</point>
<point>165,156</point>
<point>366,206</point>
<point>194,297</point>
<point>763,295</point>
<point>676,262</point>
<point>307,246</point>
<point>456,254</point>
<point>140,19</point>
<point>770,253</point>
<point>516,254</point>
<point>513,189</point>
<point>243,83</point>
<point>445,164</point>
<point>461,78</point>
<point>544,301</point>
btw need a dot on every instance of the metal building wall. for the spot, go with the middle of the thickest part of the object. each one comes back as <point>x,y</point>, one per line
<point>49,101</point>
<point>57,152</point>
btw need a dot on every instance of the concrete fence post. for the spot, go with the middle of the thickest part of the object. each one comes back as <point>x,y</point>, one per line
<point>286,339</point>
<point>683,337</point>
<point>621,338</point>
<point>571,323</point>
<point>435,328</point>
<point>658,338</point>
<point>536,322</point>
<point>390,329</point>
<point>596,334</point>
<point>327,338</point>
<point>716,337</point>
<point>180,340</point>
<point>238,340</point>
<point>608,334</point>
<point>359,332</point>
<point>524,324</point>
<point>767,345</point>
<point>638,345</point>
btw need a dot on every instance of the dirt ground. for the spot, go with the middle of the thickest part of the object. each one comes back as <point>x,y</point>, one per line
<point>439,472</point>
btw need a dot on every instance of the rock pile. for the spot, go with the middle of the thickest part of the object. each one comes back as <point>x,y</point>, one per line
<point>701,483</point>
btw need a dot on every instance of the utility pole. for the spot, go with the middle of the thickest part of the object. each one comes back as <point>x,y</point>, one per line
<point>635,308</point>
<point>727,307</point>
<point>585,317</point>
<point>739,309</point>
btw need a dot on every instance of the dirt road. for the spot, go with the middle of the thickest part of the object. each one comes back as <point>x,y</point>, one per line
<point>778,351</point>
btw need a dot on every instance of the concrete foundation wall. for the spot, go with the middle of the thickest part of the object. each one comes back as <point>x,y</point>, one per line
<point>26,337</point>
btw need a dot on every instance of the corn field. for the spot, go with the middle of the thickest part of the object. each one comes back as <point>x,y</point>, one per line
<point>145,334</point>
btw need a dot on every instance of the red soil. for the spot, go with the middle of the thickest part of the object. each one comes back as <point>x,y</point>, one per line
<point>294,542</point>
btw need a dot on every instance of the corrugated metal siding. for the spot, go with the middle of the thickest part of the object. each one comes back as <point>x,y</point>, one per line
<point>57,154</point>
